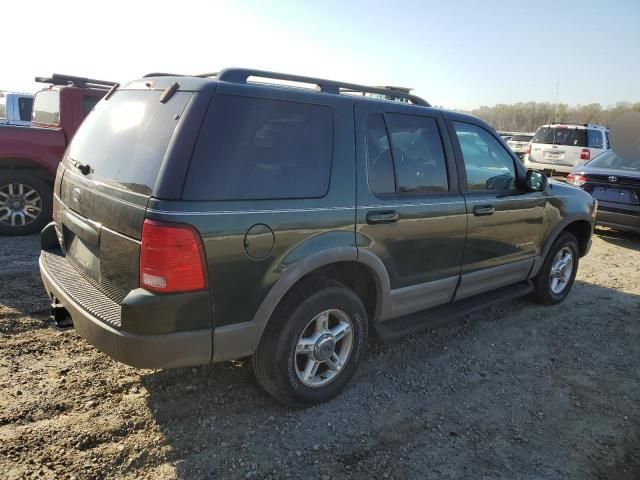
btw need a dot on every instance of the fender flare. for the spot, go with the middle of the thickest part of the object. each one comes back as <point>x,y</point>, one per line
<point>552,237</point>
<point>242,339</point>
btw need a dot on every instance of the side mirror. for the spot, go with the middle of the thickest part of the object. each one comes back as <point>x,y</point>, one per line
<point>535,181</point>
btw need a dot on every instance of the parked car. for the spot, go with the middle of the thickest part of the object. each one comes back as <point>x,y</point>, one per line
<point>615,183</point>
<point>29,156</point>
<point>559,148</point>
<point>15,108</point>
<point>519,143</point>
<point>208,219</point>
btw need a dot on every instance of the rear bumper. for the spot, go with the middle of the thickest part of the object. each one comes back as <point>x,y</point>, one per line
<point>547,166</point>
<point>166,350</point>
<point>629,222</point>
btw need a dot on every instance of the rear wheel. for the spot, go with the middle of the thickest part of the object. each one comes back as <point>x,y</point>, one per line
<point>557,275</point>
<point>313,344</point>
<point>25,203</point>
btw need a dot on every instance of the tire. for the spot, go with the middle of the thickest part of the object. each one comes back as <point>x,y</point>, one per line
<point>544,293</point>
<point>279,366</point>
<point>23,224</point>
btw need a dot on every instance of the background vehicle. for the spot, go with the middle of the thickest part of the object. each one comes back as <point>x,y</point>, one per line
<point>15,108</point>
<point>519,143</point>
<point>207,219</point>
<point>559,148</point>
<point>615,183</point>
<point>29,156</point>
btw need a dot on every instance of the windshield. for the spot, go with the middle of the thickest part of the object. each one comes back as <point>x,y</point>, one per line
<point>609,159</point>
<point>570,136</point>
<point>124,139</point>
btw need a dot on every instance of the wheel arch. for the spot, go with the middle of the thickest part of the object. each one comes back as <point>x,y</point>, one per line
<point>343,264</point>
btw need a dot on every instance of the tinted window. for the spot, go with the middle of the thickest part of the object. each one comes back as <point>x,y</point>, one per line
<point>570,136</point>
<point>124,140</point>
<point>25,106</point>
<point>417,153</point>
<point>379,160</point>
<point>595,139</point>
<point>521,138</point>
<point>3,107</point>
<point>46,107</point>
<point>253,148</point>
<point>88,103</point>
<point>487,164</point>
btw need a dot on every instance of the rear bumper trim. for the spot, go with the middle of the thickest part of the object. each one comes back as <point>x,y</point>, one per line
<point>169,350</point>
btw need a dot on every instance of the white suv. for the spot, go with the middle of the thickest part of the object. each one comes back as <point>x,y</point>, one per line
<point>559,148</point>
<point>519,143</point>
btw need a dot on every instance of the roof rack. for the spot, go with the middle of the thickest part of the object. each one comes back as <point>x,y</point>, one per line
<point>60,79</point>
<point>241,75</point>
<point>162,74</point>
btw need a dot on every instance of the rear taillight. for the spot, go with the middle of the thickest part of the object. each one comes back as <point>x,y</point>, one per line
<point>576,179</point>
<point>171,258</point>
<point>529,149</point>
<point>585,154</point>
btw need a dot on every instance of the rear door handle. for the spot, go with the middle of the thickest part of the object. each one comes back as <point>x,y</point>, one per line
<point>382,216</point>
<point>480,210</point>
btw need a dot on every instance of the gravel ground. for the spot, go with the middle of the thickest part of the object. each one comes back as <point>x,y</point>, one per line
<point>516,391</point>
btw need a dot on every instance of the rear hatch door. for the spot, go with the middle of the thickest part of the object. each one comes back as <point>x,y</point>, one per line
<point>111,168</point>
<point>558,145</point>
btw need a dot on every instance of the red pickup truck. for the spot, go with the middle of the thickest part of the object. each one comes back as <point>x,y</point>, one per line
<point>29,156</point>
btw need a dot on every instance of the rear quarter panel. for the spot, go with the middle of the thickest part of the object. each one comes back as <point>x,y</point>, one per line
<point>43,146</point>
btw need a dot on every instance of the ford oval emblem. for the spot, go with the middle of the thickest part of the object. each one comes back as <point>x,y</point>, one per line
<point>76,194</point>
<point>613,178</point>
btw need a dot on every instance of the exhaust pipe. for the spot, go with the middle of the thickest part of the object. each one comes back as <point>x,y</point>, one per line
<point>60,315</point>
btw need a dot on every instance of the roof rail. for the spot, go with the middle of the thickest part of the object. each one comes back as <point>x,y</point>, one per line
<point>241,75</point>
<point>162,74</point>
<point>60,79</point>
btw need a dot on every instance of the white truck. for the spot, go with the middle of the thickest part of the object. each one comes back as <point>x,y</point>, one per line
<point>15,108</point>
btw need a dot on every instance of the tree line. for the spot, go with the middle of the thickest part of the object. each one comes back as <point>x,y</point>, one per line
<point>527,117</point>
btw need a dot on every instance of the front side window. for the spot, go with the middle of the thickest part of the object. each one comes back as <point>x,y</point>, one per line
<point>487,164</point>
<point>257,149</point>
<point>595,139</point>
<point>405,154</point>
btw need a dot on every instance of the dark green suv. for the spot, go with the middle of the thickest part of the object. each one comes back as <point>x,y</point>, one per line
<point>207,218</point>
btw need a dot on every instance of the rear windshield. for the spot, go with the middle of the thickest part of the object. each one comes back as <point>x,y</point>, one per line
<point>46,107</point>
<point>570,136</point>
<point>251,148</point>
<point>125,138</point>
<point>609,159</point>
<point>521,138</point>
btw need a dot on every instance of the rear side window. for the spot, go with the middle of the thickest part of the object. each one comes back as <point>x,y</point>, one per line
<point>594,138</point>
<point>255,149</point>
<point>405,154</point>
<point>125,139</point>
<point>25,106</point>
<point>46,107</point>
<point>3,107</point>
<point>569,136</point>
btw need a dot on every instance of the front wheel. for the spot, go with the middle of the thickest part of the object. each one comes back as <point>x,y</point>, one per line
<point>558,272</point>
<point>25,203</point>
<point>313,344</point>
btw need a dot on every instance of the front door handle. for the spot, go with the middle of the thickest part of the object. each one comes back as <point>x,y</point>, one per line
<point>480,210</point>
<point>382,216</point>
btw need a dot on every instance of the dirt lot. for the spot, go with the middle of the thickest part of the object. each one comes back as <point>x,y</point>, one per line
<point>517,391</point>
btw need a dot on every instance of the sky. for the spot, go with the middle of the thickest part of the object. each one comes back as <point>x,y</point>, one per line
<point>457,54</point>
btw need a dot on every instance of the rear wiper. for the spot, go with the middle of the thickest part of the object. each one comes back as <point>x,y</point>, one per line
<point>84,168</point>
